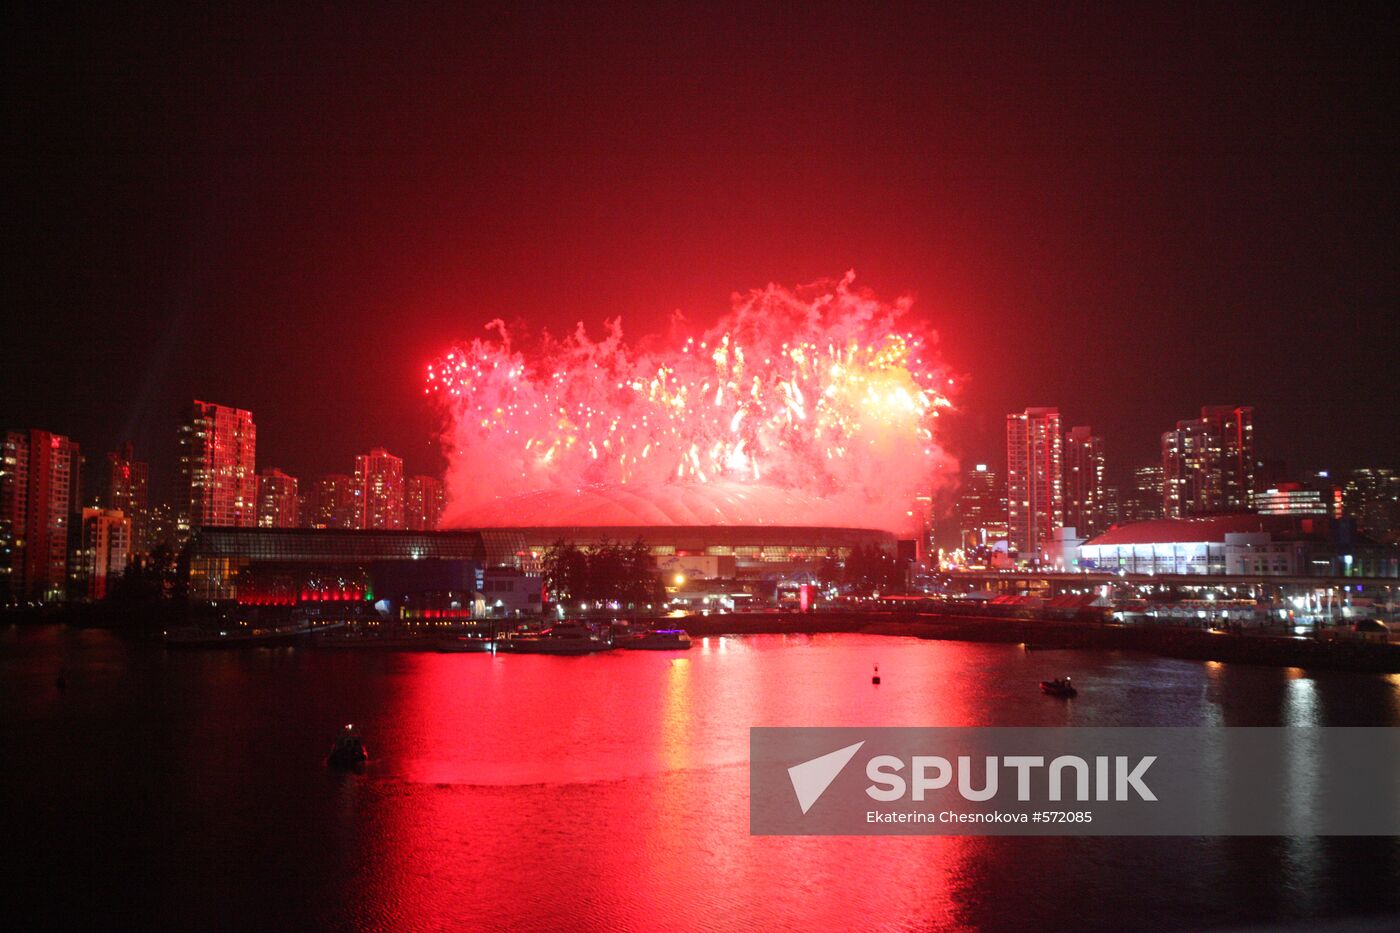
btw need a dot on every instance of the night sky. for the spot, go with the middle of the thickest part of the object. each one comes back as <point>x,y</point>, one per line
<point>1125,213</point>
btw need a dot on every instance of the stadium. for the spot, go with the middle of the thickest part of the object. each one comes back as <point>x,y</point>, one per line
<point>688,530</point>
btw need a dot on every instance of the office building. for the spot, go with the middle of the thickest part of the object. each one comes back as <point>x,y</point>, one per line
<point>1291,499</point>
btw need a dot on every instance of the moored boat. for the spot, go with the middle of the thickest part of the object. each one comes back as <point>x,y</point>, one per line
<point>560,638</point>
<point>668,639</point>
<point>461,644</point>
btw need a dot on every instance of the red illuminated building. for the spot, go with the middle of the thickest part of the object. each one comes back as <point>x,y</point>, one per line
<point>38,499</point>
<point>217,467</point>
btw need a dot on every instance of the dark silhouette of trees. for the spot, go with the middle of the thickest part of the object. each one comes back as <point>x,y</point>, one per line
<point>870,569</point>
<point>604,572</point>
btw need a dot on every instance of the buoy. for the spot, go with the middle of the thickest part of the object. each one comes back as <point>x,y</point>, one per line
<point>876,678</point>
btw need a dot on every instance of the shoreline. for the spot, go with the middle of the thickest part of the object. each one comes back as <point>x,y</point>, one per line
<point>1163,640</point>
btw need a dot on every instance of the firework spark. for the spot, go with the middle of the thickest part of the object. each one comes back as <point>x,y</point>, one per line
<point>822,395</point>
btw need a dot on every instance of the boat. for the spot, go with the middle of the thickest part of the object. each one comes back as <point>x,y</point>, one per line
<point>351,640</point>
<point>461,644</point>
<point>1059,687</point>
<point>349,751</point>
<point>196,637</point>
<point>560,638</point>
<point>662,639</point>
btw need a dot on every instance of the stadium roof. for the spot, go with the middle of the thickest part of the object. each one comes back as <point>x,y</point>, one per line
<point>1209,528</point>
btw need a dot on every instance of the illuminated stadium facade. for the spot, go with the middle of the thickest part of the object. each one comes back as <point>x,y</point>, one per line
<point>295,566</point>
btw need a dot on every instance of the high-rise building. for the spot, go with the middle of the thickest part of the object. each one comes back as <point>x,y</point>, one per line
<point>128,491</point>
<point>218,474</point>
<point>331,503</point>
<point>105,551</point>
<point>39,491</point>
<point>1371,495</point>
<point>423,503</point>
<point>1143,500</point>
<point>1085,507</point>
<point>1208,463</point>
<point>981,508</point>
<point>278,505</point>
<point>378,490</point>
<point>1112,508</point>
<point>1035,504</point>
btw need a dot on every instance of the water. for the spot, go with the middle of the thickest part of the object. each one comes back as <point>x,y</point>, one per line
<point>186,790</point>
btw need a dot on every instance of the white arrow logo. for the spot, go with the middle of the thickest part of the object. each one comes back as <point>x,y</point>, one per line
<point>811,778</point>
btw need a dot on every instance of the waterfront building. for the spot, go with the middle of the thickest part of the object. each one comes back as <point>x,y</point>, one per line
<point>331,503</point>
<point>39,495</point>
<point>424,502</point>
<point>278,504</point>
<point>106,550</point>
<point>1240,544</point>
<point>1084,490</point>
<point>1208,463</point>
<point>981,508</point>
<point>379,491</point>
<point>1034,479</point>
<point>127,490</point>
<point>218,477</point>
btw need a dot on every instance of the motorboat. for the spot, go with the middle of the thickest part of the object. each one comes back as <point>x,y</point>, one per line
<point>349,751</point>
<point>664,639</point>
<point>1059,687</point>
<point>199,637</point>
<point>461,644</point>
<point>560,638</point>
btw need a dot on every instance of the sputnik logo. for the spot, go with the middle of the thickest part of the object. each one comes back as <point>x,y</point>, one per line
<point>811,778</point>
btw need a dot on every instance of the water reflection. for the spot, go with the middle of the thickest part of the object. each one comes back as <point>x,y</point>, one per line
<point>610,791</point>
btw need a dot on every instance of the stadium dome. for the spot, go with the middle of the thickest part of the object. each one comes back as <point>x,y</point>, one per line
<point>663,504</point>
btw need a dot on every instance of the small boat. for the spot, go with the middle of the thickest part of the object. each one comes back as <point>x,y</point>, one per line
<point>1059,687</point>
<point>456,644</point>
<point>197,637</point>
<point>663,639</point>
<point>349,751</point>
